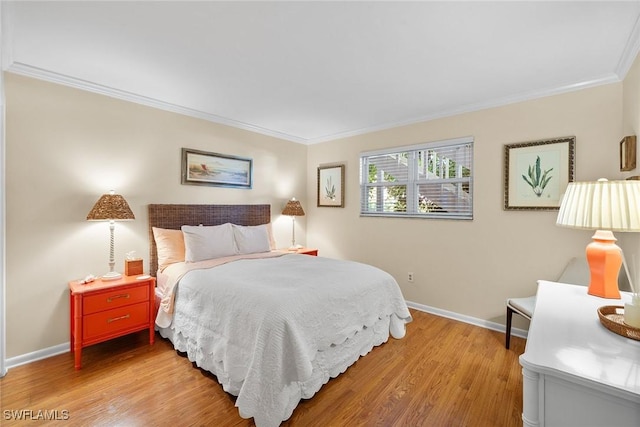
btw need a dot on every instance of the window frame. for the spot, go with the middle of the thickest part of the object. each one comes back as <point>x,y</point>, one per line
<point>413,181</point>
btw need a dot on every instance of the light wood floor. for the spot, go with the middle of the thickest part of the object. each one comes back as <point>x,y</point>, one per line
<point>443,373</point>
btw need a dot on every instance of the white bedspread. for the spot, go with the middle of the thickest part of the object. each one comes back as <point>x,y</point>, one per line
<point>259,324</point>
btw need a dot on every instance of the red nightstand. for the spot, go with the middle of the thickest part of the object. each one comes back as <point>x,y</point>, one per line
<point>103,310</point>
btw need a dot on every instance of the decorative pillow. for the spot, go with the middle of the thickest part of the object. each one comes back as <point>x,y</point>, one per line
<point>272,240</point>
<point>208,242</point>
<point>251,239</point>
<point>169,245</point>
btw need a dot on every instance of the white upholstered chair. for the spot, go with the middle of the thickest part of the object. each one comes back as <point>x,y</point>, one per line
<point>576,273</point>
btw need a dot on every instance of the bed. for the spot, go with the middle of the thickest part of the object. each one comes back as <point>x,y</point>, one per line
<point>272,326</point>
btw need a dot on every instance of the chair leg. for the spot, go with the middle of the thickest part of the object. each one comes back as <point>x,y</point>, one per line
<point>507,332</point>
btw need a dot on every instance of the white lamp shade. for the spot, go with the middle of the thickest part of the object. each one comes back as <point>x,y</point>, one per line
<point>601,205</point>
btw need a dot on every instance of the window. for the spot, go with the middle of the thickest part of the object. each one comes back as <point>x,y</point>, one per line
<point>431,180</point>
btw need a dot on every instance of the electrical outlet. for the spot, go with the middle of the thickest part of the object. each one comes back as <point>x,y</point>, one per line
<point>410,277</point>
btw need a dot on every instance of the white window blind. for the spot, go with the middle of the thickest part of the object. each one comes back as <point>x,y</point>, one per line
<point>431,180</point>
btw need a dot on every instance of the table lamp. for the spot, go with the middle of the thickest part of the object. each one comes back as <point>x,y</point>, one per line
<point>111,207</point>
<point>293,209</point>
<point>604,206</point>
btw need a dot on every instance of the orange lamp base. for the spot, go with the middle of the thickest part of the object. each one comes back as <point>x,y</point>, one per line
<point>605,259</point>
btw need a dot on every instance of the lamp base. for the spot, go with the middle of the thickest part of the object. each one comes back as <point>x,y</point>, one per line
<point>605,259</point>
<point>112,275</point>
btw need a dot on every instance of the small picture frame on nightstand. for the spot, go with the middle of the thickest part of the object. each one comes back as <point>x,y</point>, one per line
<point>133,267</point>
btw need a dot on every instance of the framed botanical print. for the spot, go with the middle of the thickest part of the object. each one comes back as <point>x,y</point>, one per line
<point>537,173</point>
<point>628,153</point>
<point>331,186</point>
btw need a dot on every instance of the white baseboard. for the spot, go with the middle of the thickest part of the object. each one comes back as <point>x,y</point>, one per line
<point>467,319</point>
<point>38,355</point>
<point>65,347</point>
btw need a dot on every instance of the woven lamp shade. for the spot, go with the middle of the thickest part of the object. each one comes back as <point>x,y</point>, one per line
<point>110,207</point>
<point>601,205</point>
<point>293,208</point>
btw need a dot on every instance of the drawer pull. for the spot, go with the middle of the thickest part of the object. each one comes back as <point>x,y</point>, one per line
<point>126,316</point>
<point>117,296</point>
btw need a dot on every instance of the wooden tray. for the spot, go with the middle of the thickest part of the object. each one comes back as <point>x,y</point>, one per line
<point>612,318</point>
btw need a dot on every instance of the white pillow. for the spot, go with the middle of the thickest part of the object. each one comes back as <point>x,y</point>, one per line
<point>208,242</point>
<point>252,239</point>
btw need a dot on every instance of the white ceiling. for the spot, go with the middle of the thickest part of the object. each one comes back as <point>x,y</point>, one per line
<point>315,71</point>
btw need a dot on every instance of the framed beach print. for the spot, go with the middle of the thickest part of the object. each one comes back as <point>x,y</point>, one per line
<point>536,173</point>
<point>331,186</point>
<point>221,170</point>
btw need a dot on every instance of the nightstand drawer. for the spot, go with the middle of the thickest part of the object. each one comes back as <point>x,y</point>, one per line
<point>116,298</point>
<point>113,321</point>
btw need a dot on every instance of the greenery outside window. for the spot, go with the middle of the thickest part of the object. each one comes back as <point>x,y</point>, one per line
<point>431,180</point>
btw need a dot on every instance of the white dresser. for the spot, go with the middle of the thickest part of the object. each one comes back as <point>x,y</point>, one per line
<point>575,371</point>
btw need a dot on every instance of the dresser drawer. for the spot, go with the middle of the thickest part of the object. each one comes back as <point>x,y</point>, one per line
<point>115,298</point>
<point>116,320</point>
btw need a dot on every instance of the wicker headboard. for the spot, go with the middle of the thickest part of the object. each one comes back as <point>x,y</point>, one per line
<point>175,216</point>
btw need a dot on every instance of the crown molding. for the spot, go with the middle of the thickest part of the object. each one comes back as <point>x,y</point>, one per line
<point>38,73</point>
<point>630,52</point>
<point>50,76</point>
<point>470,108</point>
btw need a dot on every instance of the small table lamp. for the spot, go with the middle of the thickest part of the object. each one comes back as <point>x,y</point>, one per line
<point>293,209</point>
<point>605,206</point>
<point>111,207</point>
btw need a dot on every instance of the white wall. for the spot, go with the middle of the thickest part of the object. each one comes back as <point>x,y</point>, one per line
<point>2,205</point>
<point>65,148</point>
<point>631,103</point>
<point>471,267</point>
<point>630,242</point>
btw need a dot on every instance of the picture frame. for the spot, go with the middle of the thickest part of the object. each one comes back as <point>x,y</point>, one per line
<point>536,173</point>
<point>215,169</point>
<point>628,153</point>
<point>331,186</point>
